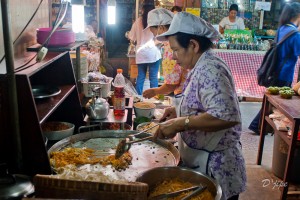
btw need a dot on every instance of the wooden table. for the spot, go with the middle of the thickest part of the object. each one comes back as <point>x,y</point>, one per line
<point>291,109</point>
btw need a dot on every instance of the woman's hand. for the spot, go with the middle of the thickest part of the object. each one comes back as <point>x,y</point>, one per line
<point>170,113</point>
<point>167,129</point>
<point>149,93</point>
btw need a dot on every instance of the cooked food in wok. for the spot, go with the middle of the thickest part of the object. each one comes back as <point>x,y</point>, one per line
<point>82,156</point>
<point>172,185</point>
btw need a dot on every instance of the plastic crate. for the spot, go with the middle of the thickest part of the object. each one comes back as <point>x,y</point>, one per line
<point>105,88</point>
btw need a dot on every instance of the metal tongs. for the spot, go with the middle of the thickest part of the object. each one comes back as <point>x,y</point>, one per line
<point>125,144</point>
<point>196,191</point>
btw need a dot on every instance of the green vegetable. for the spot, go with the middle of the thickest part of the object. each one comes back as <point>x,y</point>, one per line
<point>273,90</point>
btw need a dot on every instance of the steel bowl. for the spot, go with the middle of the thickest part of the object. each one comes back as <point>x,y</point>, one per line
<point>141,111</point>
<point>55,134</point>
<point>156,175</point>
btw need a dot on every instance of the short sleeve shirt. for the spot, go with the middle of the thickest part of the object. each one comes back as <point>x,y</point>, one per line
<point>172,72</point>
<point>146,50</point>
<point>211,90</point>
<point>227,24</point>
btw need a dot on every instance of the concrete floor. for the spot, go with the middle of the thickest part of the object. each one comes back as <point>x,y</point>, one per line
<point>258,175</point>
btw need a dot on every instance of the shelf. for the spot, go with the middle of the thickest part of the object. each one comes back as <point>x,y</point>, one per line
<point>45,107</point>
<point>57,70</point>
<point>282,134</point>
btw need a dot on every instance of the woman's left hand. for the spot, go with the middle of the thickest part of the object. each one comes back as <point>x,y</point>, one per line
<point>167,129</point>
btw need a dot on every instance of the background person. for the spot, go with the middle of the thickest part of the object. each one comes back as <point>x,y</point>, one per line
<point>159,21</point>
<point>232,21</point>
<point>208,118</point>
<point>288,51</point>
<point>147,53</point>
<point>176,9</point>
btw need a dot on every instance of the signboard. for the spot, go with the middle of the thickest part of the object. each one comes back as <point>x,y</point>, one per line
<point>259,5</point>
<point>194,11</point>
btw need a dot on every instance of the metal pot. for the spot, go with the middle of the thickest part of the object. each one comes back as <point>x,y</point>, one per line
<point>14,186</point>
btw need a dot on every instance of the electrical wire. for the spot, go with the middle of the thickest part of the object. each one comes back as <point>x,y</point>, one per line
<point>22,67</point>
<point>56,25</point>
<point>25,26</point>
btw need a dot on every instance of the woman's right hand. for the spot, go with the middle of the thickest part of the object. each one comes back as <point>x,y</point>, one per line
<point>170,113</point>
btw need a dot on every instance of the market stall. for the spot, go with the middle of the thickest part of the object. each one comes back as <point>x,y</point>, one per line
<point>243,65</point>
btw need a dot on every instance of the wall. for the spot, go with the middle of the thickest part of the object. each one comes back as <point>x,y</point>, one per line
<point>21,12</point>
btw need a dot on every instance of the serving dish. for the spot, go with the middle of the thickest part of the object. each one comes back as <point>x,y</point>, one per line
<point>145,155</point>
<point>44,91</point>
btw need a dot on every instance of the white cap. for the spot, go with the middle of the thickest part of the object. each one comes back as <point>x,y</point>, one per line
<point>187,23</point>
<point>159,16</point>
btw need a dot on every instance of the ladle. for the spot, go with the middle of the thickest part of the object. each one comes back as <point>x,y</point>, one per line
<point>125,144</point>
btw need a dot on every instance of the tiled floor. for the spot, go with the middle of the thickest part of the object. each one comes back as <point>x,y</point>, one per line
<point>258,175</point>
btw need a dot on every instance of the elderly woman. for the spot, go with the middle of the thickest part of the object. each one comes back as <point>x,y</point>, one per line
<point>208,118</point>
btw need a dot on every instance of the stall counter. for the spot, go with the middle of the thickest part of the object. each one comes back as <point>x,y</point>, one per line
<point>243,66</point>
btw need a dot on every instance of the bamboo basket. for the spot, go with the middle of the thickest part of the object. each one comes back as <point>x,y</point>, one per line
<point>50,187</point>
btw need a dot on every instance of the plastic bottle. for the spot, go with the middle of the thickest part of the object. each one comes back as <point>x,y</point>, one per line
<point>119,94</point>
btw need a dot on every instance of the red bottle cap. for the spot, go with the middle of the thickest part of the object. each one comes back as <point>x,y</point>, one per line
<point>119,70</point>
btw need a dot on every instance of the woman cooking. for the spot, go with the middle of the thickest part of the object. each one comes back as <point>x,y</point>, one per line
<point>208,119</point>
<point>232,21</point>
<point>159,21</point>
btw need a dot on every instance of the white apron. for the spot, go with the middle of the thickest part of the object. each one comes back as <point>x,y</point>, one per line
<point>195,158</point>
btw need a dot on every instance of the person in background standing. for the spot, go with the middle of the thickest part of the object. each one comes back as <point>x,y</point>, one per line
<point>288,51</point>
<point>232,21</point>
<point>147,53</point>
<point>94,25</point>
<point>159,21</point>
<point>208,118</point>
<point>176,9</point>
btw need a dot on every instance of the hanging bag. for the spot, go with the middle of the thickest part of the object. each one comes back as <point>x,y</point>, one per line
<point>268,72</point>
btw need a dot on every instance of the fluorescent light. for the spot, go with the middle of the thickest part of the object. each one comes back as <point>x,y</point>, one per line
<point>78,18</point>
<point>111,11</point>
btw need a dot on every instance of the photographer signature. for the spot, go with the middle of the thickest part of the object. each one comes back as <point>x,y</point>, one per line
<point>274,183</point>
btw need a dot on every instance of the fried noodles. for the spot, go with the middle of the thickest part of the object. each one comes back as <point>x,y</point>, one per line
<point>172,185</point>
<point>82,156</point>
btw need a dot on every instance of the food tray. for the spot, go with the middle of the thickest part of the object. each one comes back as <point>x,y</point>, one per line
<point>89,86</point>
<point>145,155</point>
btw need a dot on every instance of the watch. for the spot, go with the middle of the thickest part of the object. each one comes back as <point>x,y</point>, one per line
<point>186,123</point>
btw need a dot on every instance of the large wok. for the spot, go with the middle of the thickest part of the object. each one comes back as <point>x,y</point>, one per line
<point>146,155</point>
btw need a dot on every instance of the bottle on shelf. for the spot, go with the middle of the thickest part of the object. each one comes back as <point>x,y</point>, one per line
<point>119,94</point>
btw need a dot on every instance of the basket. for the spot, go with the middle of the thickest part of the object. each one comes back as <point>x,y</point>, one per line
<point>89,86</point>
<point>47,186</point>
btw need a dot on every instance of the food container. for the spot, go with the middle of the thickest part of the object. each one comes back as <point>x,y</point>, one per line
<point>144,109</point>
<point>57,130</point>
<point>60,37</point>
<point>157,175</point>
<point>89,86</point>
